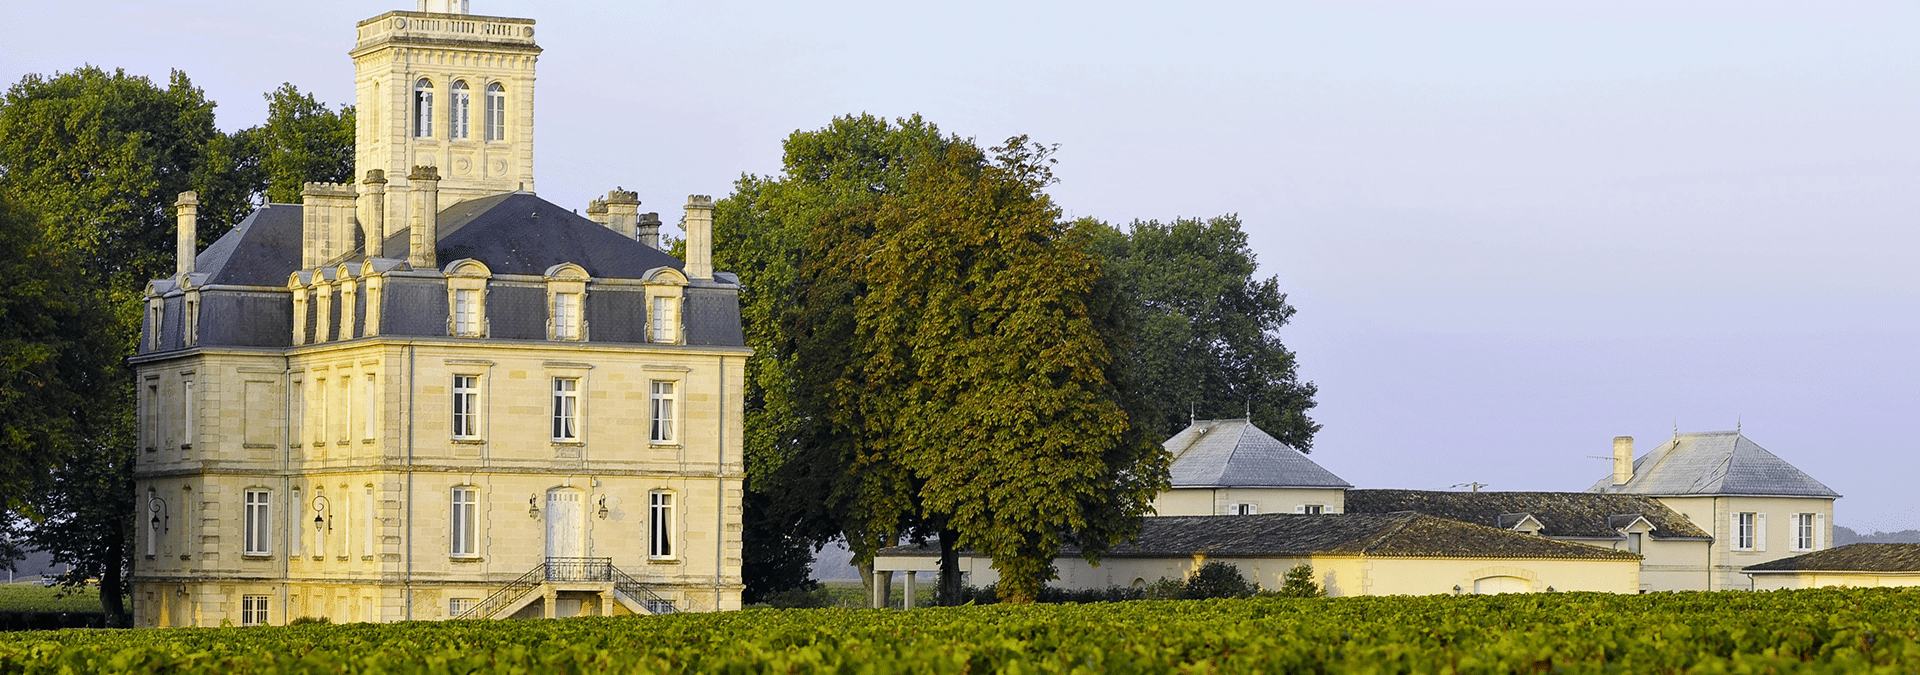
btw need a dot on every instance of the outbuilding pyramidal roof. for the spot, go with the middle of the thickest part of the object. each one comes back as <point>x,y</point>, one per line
<point>1235,453</point>
<point>1715,463</point>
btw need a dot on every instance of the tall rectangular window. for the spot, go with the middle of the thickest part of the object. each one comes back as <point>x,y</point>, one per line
<point>1803,532</point>
<point>496,112</point>
<point>255,523</point>
<point>466,521</point>
<point>566,316</point>
<point>458,107</point>
<point>371,408</point>
<point>152,418</point>
<point>660,524</point>
<point>1743,524</point>
<point>369,529</point>
<point>346,408</point>
<point>663,320</point>
<point>296,418</point>
<point>466,406</point>
<point>296,523</point>
<point>423,108</point>
<point>662,412</point>
<point>466,312</point>
<point>253,610</point>
<point>320,406</point>
<point>566,409</point>
<point>187,418</point>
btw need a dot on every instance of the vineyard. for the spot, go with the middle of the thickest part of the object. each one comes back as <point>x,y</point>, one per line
<point>1817,631</point>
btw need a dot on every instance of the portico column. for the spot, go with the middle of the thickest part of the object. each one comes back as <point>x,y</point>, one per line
<point>549,602</point>
<point>908,604</point>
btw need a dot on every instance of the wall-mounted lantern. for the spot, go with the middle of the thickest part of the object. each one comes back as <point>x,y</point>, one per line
<point>603,507</point>
<point>533,506</point>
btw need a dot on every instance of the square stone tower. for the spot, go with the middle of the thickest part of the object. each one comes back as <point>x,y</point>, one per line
<point>443,88</point>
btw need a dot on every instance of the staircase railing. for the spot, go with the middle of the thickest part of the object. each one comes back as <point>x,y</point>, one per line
<point>514,591</point>
<point>570,570</point>
<point>640,593</point>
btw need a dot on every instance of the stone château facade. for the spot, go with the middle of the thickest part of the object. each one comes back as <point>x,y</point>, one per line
<point>434,394</point>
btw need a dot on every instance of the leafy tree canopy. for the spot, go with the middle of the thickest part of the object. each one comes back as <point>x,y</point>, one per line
<point>1206,339</point>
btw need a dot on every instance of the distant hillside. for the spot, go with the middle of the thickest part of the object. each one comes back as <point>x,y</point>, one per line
<point>1843,535</point>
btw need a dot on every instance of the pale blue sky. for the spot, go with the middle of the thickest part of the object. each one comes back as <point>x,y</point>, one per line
<point>1513,230</point>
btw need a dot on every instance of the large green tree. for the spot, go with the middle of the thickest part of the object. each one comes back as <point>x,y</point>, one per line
<point>302,141</point>
<point>990,340</point>
<point>1206,331</point>
<point>934,352</point>
<point>92,161</point>
<point>799,458</point>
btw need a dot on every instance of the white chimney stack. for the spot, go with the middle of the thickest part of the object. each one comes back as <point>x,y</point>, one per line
<point>186,240</point>
<point>699,226</point>
<point>1622,459</point>
<point>424,218</point>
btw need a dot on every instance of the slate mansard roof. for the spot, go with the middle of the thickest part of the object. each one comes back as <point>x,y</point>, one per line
<point>1564,515</point>
<point>1849,558</point>
<point>1393,535</point>
<point>1235,453</point>
<point>1714,463</point>
<point>244,300</point>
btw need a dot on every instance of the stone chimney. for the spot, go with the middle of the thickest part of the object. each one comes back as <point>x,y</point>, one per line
<point>424,223</point>
<point>373,212</point>
<point>327,222</point>
<point>186,240</point>
<point>1622,459</point>
<point>597,211</point>
<point>699,225</point>
<point>647,230</point>
<point>623,211</point>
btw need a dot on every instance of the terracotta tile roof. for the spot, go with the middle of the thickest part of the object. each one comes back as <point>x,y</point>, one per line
<point>1560,514</point>
<point>1849,558</point>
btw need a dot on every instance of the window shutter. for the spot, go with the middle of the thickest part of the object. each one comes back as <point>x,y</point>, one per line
<point>1819,530</point>
<point>1301,508</point>
<point>1733,531</point>
<point>1759,532</point>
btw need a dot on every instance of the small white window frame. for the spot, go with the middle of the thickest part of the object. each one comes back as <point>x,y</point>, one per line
<point>663,412</point>
<point>464,522</point>
<point>661,537</point>
<point>257,522</point>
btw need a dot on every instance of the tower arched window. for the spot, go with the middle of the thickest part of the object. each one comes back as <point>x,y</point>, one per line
<point>496,112</point>
<point>423,108</point>
<point>458,104</point>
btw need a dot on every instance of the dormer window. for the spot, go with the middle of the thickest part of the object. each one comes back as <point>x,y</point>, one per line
<point>156,319</point>
<point>566,302</point>
<point>664,321</point>
<point>496,112</point>
<point>459,104</point>
<point>466,312</point>
<point>566,316</point>
<point>467,298</point>
<point>423,108</point>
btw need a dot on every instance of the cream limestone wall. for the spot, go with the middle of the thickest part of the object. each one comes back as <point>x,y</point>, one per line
<point>1216,501</point>
<point>1338,575</point>
<point>1791,580</point>
<point>370,444</point>
<point>1774,538</point>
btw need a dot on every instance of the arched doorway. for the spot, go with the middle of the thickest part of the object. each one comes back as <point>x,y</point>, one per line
<point>566,523</point>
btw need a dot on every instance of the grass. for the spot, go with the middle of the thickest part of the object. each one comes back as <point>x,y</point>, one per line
<point>33,598</point>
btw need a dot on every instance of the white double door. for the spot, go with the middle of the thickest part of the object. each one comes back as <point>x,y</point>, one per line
<point>566,523</point>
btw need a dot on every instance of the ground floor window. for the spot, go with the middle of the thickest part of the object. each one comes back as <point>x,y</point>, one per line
<point>459,606</point>
<point>253,610</point>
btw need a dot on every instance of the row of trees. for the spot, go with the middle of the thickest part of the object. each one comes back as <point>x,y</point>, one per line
<point>938,355</point>
<point>90,163</point>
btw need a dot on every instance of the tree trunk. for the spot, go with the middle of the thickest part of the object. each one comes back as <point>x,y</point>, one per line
<point>866,582</point>
<point>112,591</point>
<point>949,593</point>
